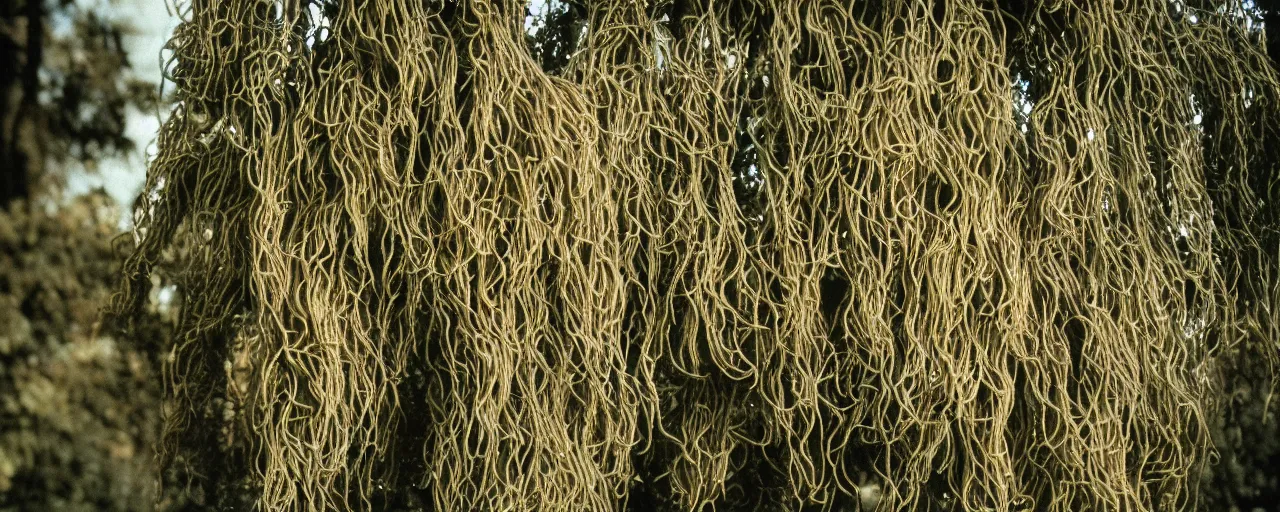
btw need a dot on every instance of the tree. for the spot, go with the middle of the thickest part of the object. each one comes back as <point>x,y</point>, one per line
<point>78,409</point>
<point>66,93</point>
<point>749,254</point>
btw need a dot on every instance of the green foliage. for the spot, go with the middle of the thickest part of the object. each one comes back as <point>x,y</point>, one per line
<point>78,409</point>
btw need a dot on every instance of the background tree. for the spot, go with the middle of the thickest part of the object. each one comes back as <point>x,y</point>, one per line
<point>65,91</point>
<point>79,408</point>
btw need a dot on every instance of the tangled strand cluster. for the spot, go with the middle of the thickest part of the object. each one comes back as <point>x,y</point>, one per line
<point>748,254</point>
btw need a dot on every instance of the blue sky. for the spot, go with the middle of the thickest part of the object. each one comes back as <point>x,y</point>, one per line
<point>151,23</point>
